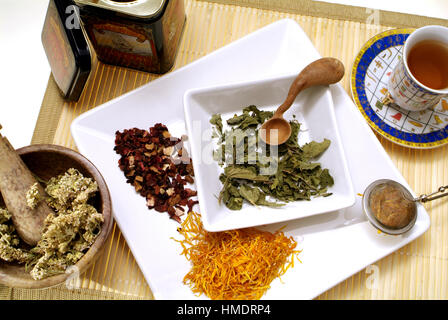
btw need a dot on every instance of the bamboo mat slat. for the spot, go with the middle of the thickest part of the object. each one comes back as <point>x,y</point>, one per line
<point>417,271</point>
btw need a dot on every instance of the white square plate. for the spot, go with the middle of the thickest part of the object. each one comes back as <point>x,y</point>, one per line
<point>313,108</point>
<point>335,245</point>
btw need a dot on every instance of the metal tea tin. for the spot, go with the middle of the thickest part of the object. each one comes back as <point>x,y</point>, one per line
<point>66,48</point>
<point>139,34</point>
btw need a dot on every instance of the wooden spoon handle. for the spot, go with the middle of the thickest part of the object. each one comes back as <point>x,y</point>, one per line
<point>15,181</point>
<point>323,71</point>
<point>297,86</point>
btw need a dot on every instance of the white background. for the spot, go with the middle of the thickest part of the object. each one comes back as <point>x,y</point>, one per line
<point>25,70</point>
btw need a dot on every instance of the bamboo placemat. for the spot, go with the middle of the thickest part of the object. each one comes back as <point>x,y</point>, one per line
<point>417,271</point>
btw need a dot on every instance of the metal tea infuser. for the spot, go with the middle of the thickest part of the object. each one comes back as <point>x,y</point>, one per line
<point>441,192</point>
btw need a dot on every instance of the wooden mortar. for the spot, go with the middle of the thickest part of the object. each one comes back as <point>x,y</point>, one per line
<point>47,161</point>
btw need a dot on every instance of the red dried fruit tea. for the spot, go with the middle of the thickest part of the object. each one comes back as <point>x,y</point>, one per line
<point>159,168</point>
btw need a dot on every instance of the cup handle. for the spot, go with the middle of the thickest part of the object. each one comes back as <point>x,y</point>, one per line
<point>387,100</point>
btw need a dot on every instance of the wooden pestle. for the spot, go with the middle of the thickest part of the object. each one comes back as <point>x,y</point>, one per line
<point>15,181</point>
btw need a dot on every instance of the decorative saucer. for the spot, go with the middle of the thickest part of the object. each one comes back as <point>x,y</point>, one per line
<point>370,75</point>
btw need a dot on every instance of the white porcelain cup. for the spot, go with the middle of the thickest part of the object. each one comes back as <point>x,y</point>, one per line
<point>405,89</point>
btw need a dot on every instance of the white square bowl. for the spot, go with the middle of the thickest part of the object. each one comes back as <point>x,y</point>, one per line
<point>313,108</point>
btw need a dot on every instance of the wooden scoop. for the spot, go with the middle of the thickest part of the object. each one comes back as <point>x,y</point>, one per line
<point>15,181</point>
<point>324,71</point>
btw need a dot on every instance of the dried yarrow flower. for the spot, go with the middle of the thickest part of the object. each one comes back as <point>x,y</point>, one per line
<point>33,196</point>
<point>68,232</point>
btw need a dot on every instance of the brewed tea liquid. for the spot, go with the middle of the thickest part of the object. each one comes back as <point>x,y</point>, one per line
<point>428,62</point>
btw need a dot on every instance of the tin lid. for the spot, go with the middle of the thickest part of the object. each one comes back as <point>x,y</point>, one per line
<point>66,47</point>
<point>137,8</point>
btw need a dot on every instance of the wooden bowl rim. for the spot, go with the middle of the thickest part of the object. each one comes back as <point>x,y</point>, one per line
<point>90,256</point>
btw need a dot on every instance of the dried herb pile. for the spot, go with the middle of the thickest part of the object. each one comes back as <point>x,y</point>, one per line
<point>252,173</point>
<point>68,232</point>
<point>158,167</point>
<point>235,264</point>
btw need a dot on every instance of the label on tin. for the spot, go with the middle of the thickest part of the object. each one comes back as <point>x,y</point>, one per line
<point>123,42</point>
<point>125,45</point>
<point>58,51</point>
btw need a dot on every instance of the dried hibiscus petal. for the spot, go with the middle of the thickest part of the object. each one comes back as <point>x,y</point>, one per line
<point>158,166</point>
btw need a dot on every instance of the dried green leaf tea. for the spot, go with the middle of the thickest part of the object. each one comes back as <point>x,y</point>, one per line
<point>254,173</point>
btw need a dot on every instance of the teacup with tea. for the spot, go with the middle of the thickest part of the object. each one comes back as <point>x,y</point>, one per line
<point>420,79</point>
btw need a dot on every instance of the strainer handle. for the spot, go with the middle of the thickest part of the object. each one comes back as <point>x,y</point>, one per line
<point>441,192</point>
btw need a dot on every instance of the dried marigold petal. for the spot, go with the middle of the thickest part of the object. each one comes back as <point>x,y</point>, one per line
<point>235,264</point>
